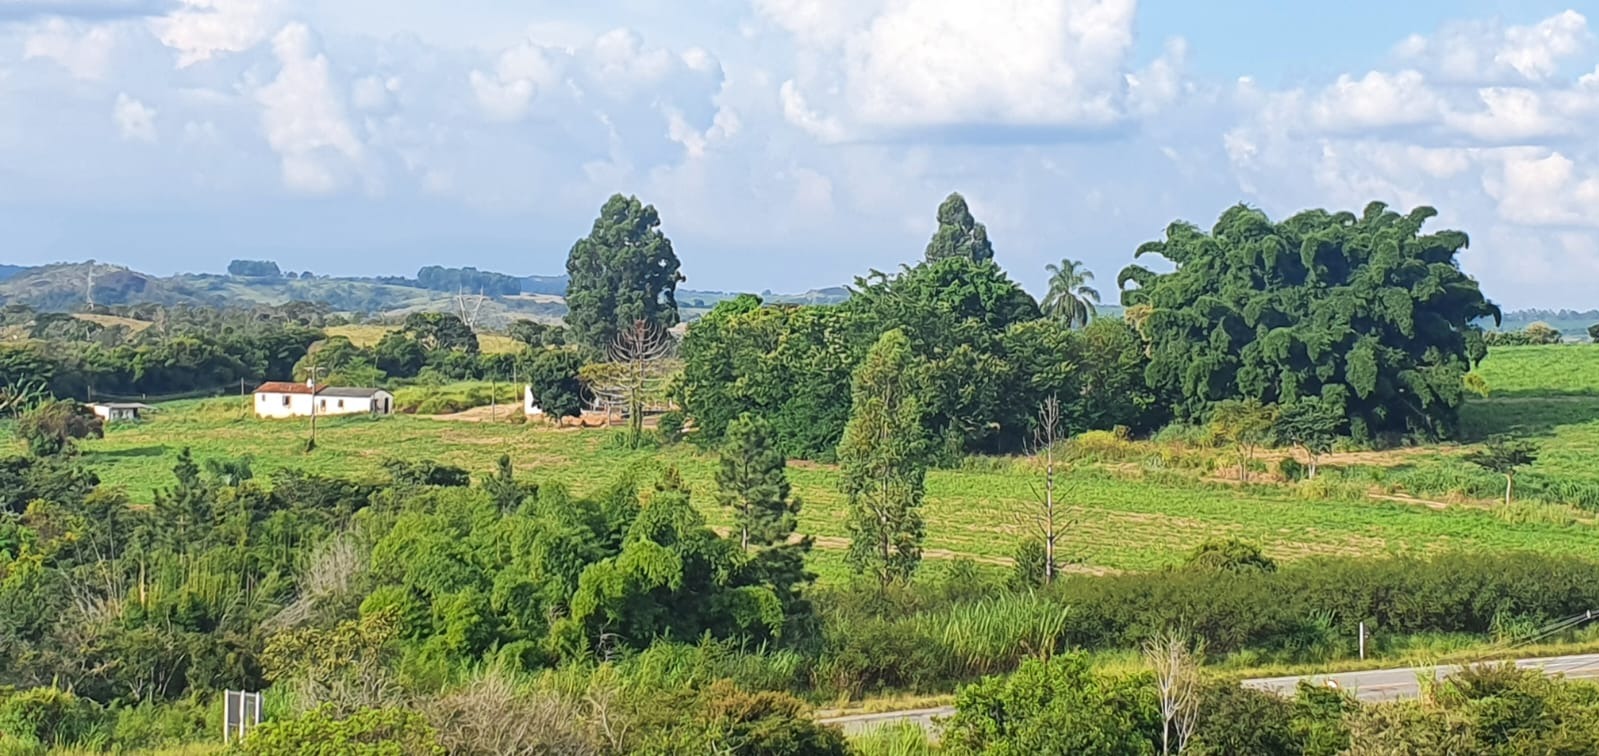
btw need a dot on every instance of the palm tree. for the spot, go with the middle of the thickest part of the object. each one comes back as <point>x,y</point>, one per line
<point>1070,299</point>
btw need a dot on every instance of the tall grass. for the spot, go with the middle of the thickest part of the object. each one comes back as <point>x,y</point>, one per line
<point>993,635</point>
<point>897,739</point>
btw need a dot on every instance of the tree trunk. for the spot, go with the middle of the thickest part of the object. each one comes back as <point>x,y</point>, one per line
<point>1049,521</point>
<point>1311,473</point>
<point>1510,485</point>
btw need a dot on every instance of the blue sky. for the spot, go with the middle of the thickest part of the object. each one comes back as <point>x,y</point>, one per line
<point>789,144</point>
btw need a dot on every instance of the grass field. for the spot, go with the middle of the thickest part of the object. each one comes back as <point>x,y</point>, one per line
<point>1549,393</point>
<point>370,335</point>
<point>1123,520</point>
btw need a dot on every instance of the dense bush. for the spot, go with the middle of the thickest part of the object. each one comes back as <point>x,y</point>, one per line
<point>370,732</point>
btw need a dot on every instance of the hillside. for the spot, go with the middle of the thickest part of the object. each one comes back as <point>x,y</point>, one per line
<point>64,288</point>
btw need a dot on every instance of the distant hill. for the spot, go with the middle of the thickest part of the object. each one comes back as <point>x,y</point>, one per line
<point>554,286</point>
<point>66,288</point>
<point>11,271</point>
<point>1571,324</point>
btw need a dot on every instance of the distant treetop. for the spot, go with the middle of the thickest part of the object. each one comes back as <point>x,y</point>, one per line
<point>959,234</point>
<point>254,269</point>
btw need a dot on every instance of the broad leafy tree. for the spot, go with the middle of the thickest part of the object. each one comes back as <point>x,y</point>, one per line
<point>883,458</point>
<point>1311,424</point>
<point>752,480</point>
<point>1367,312</point>
<point>1505,456</point>
<point>52,427</point>
<point>1593,332</point>
<point>440,330</point>
<point>552,376</point>
<point>624,271</point>
<point>1243,425</point>
<point>959,234</point>
<point>1071,299</point>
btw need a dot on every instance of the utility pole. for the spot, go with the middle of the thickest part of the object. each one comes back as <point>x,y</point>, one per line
<point>311,445</point>
<point>1362,641</point>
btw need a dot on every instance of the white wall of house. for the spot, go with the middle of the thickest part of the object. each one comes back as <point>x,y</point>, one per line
<point>530,406</point>
<point>299,405</point>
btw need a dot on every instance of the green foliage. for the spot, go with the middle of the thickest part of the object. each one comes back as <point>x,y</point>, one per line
<point>425,473</point>
<point>326,732</point>
<point>752,481</point>
<point>47,716</point>
<point>254,269</point>
<point>440,331</point>
<point>1059,705</point>
<point>959,234</point>
<point>1230,555</point>
<point>1244,425</point>
<point>552,376</point>
<point>1312,424</point>
<point>1535,334</point>
<point>883,460</point>
<point>624,271</point>
<point>51,428</point>
<point>1070,299</point>
<point>1505,456</point>
<point>468,280</point>
<point>1366,312</point>
<point>1593,332</point>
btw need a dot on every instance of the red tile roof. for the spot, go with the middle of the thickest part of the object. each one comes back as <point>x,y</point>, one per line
<point>282,387</point>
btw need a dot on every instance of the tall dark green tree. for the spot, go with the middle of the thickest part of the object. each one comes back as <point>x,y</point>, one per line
<point>883,458</point>
<point>959,234</point>
<point>440,330</point>
<point>753,481</point>
<point>624,271</point>
<point>1367,312</point>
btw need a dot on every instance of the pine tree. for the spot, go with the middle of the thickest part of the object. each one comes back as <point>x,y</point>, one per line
<point>884,460</point>
<point>753,481</point>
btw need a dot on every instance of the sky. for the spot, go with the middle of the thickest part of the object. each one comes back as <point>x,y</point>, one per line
<point>788,144</point>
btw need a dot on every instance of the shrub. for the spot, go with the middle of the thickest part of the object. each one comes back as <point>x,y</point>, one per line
<point>1231,555</point>
<point>50,717</point>
<point>1291,469</point>
<point>670,426</point>
<point>368,732</point>
<point>490,717</point>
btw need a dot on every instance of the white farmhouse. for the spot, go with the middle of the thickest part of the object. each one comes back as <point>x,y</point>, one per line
<point>282,399</point>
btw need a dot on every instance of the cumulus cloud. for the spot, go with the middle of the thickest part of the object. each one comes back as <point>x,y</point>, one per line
<point>200,30</point>
<point>1538,187</point>
<point>1488,51</point>
<point>931,65</point>
<point>135,120</point>
<point>303,116</point>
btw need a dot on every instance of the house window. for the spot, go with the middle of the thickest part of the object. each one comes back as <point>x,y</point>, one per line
<point>285,400</point>
<point>261,399</point>
<point>341,404</point>
<point>324,404</point>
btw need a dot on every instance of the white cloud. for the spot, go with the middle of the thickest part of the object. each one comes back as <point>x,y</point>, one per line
<point>84,51</point>
<point>940,64</point>
<point>304,119</point>
<point>1486,52</point>
<point>200,30</point>
<point>1537,187</point>
<point>135,120</point>
<point>1376,101</point>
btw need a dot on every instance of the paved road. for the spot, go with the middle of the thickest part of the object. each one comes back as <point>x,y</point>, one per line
<point>1391,684</point>
<point>1371,685</point>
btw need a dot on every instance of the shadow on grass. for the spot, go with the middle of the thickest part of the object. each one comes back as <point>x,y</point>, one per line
<point>1524,414</point>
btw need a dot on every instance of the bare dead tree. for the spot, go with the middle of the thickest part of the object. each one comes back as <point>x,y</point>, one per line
<point>1045,518</point>
<point>639,363</point>
<point>1177,682</point>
